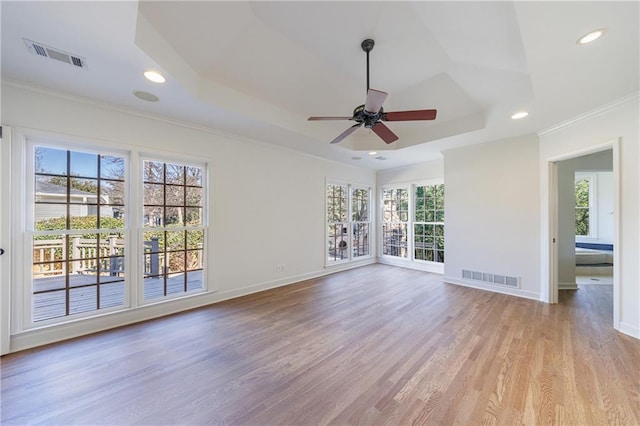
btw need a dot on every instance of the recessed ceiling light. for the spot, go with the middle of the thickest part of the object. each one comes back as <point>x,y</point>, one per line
<point>146,96</point>
<point>154,76</point>
<point>373,153</point>
<point>593,35</point>
<point>519,115</point>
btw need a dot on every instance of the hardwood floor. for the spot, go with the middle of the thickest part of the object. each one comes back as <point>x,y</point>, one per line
<point>373,345</point>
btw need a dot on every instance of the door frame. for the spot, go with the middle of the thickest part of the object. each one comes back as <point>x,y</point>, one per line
<point>5,240</point>
<point>549,255</point>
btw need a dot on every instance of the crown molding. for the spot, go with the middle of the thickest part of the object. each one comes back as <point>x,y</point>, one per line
<point>590,114</point>
<point>180,123</point>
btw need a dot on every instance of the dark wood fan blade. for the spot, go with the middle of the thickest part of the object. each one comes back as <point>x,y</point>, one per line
<point>346,133</point>
<point>375,99</point>
<point>328,118</point>
<point>384,132</point>
<point>421,114</point>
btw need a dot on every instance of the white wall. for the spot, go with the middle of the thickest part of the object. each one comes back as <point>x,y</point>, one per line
<point>413,173</point>
<point>604,208</point>
<point>266,201</point>
<point>619,121</point>
<point>492,210</point>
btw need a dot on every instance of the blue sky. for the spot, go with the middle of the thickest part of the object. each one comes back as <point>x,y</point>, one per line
<point>54,161</point>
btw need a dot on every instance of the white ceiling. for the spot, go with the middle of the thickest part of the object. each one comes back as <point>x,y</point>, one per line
<point>259,69</point>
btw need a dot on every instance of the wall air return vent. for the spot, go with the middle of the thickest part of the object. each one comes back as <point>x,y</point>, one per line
<point>57,54</point>
<point>495,279</point>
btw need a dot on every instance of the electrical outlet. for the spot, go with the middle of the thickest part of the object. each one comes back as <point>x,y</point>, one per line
<point>278,267</point>
<point>283,267</point>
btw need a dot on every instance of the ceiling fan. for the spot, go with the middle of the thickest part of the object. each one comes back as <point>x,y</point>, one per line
<point>371,115</point>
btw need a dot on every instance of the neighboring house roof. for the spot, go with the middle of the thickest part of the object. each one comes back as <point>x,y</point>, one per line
<point>52,188</point>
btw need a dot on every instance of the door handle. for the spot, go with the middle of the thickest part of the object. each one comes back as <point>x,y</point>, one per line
<point>1,251</point>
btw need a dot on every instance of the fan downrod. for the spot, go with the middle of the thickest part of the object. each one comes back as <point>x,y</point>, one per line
<point>367,46</point>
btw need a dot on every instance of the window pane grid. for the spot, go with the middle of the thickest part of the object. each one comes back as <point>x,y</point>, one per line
<point>174,235</point>
<point>78,241</point>
<point>361,239</point>
<point>348,222</point>
<point>394,237</point>
<point>395,217</point>
<point>582,213</point>
<point>428,225</point>
<point>338,245</point>
<point>395,205</point>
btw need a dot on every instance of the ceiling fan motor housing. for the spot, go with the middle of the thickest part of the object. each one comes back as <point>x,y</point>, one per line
<point>365,117</point>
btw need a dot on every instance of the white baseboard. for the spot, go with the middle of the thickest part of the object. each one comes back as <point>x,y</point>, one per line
<point>493,288</point>
<point>76,328</point>
<point>433,267</point>
<point>629,330</point>
<point>567,286</point>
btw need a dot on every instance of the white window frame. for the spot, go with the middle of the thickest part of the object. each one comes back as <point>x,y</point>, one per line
<point>415,222</point>
<point>22,222</point>
<point>350,187</point>
<point>409,261</point>
<point>593,211</point>
<point>408,223</point>
<point>24,214</point>
<point>6,259</point>
<point>353,223</point>
<point>140,229</point>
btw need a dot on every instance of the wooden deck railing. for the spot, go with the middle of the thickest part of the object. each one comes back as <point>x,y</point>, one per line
<point>84,255</point>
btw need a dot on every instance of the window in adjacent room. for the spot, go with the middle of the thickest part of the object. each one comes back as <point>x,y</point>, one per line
<point>584,198</point>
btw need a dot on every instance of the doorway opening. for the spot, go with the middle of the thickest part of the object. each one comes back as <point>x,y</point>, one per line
<point>583,231</point>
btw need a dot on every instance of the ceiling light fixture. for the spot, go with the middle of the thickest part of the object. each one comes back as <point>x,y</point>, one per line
<point>591,36</point>
<point>373,153</point>
<point>519,115</point>
<point>154,76</point>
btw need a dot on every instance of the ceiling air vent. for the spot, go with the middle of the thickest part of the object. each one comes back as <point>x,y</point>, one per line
<point>53,53</point>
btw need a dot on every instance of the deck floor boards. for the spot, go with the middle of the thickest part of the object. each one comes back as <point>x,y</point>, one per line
<point>83,295</point>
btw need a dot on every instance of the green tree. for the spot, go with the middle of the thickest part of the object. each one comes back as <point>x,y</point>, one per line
<point>582,207</point>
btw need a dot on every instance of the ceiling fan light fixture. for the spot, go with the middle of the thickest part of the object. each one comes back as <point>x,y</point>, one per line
<point>154,76</point>
<point>590,36</point>
<point>519,115</point>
